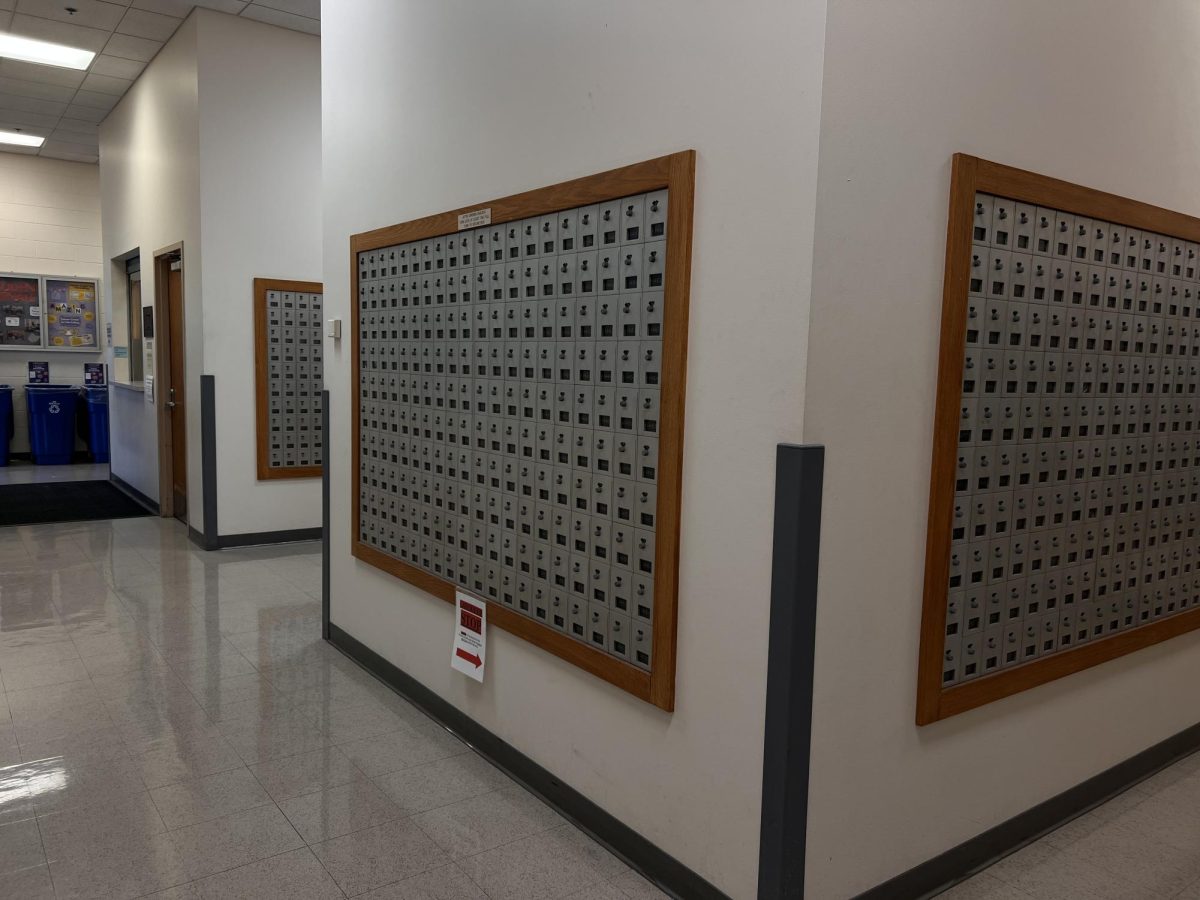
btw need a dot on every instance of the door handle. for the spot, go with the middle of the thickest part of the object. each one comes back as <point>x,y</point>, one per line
<point>170,404</point>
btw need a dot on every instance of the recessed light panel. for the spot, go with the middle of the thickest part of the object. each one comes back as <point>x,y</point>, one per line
<point>44,52</point>
<point>23,140</point>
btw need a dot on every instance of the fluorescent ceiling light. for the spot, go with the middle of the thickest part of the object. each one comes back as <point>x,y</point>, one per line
<point>43,52</point>
<point>25,140</point>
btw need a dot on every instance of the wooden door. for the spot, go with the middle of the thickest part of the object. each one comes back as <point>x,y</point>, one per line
<point>175,394</point>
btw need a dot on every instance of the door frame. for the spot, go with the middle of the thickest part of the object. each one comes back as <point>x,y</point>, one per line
<point>162,371</point>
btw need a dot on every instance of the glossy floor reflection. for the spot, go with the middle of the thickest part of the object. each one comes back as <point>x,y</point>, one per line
<point>1140,845</point>
<point>24,472</point>
<point>173,725</point>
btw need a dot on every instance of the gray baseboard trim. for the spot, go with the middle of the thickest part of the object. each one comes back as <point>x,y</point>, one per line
<point>668,873</point>
<point>133,493</point>
<point>325,575</point>
<point>210,539</point>
<point>961,862</point>
<point>253,538</point>
<point>256,538</point>
<point>799,472</point>
<point>208,459</point>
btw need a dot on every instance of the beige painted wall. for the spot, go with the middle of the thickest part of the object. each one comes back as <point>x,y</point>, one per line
<point>432,106</point>
<point>150,185</point>
<point>1100,93</point>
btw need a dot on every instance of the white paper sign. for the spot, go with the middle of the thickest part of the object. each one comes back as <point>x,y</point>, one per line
<point>468,653</point>
<point>475,218</point>
<point>12,321</point>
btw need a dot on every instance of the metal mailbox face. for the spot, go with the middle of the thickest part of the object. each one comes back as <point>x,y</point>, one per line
<point>1070,498</point>
<point>291,380</point>
<point>534,364</point>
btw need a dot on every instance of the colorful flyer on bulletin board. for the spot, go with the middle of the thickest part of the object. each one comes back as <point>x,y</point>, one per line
<point>20,311</point>
<point>93,373</point>
<point>71,322</point>
<point>39,372</point>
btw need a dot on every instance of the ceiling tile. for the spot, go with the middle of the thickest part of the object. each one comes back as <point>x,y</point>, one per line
<point>71,137</point>
<point>143,24</point>
<point>129,47</point>
<point>59,32</point>
<point>283,19</point>
<point>92,100</point>
<point>90,13</point>
<point>86,113</point>
<point>5,19</point>
<point>7,4</point>
<point>33,89</point>
<point>224,5</point>
<point>68,147</point>
<point>73,157</point>
<point>32,104</point>
<point>38,123</point>
<point>309,8</point>
<point>73,146</point>
<point>181,8</point>
<point>24,151</point>
<point>116,67</point>
<point>103,84</point>
<point>77,125</point>
<point>25,71</point>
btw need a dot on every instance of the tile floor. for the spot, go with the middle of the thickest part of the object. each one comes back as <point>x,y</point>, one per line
<point>20,471</point>
<point>172,725</point>
<point>1140,845</point>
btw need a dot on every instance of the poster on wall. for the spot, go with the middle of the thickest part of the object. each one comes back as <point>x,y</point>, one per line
<point>71,322</point>
<point>39,372</point>
<point>20,311</point>
<point>93,373</point>
<point>469,651</point>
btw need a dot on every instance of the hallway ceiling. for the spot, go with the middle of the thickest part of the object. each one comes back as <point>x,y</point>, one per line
<point>66,105</point>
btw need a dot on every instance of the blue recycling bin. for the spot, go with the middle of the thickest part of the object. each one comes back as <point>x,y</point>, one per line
<point>6,421</point>
<point>96,398</point>
<point>51,422</point>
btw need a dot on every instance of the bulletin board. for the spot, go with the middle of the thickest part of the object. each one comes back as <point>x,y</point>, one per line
<point>20,311</point>
<point>1065,488</point>
<point>72,314</point>
<point>288,375</point>
<point>518,417</point>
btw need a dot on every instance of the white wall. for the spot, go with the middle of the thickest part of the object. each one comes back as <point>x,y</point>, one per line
<point>260,174</point>
<point>49,225</point>
<point>1096,93</point>
<point>218,145</point>
<point>150,190</point>
<point>430,106</point>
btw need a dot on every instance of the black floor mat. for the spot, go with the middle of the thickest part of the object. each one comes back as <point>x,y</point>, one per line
<point>65,501</point>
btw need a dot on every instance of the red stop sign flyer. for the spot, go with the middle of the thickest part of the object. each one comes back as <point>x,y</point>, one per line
<point>468,653</point>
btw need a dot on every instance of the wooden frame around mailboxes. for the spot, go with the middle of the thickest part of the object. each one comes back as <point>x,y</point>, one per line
<point>676,173</point>
<point>969,176</point>
<point>262,405</point>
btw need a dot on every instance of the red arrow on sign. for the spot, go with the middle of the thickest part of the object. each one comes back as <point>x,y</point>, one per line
<point>469,657</point>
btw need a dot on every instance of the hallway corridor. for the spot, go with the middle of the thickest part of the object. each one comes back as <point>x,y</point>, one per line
<point>172,722</point>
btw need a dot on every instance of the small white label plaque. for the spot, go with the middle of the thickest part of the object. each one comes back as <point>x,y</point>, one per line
<point>475,218</point>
